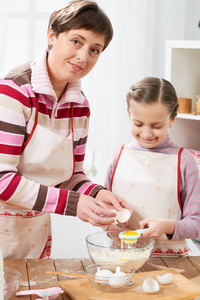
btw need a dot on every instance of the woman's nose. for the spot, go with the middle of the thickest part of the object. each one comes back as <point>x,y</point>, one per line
<point>82,54</point>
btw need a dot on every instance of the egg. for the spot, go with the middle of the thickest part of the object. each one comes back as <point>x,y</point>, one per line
<point>118,279</point>
<point>123,216</point>
<point>165,279</point>
<point>150,285</point>
<point>102,276</point>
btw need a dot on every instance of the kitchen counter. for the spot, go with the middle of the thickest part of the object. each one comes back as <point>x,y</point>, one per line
<point>34,271</point>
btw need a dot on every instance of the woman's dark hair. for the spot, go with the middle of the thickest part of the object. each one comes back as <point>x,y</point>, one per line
<point>151,90</point>
<point>81,14</point>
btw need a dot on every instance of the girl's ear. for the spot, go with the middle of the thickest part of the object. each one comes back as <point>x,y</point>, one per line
<point>173,120</point>
<point>128,112</point>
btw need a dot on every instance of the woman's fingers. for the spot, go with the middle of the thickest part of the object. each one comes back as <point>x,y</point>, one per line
<point>89,211</point>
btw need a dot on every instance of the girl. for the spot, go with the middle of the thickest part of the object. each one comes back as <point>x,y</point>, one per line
<point>43,134</point>
<point>158,178</point>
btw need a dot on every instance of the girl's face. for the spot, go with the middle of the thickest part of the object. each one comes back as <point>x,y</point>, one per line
<point>74,53</point>
<point>149,123</point>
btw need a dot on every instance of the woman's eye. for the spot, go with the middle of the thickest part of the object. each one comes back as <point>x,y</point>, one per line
<point>95,51</point>
<point>138,125</point>
<point>76,42</point>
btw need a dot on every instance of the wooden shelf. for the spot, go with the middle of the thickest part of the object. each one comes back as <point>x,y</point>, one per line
<point>188,117</point>
<point>182,70</point>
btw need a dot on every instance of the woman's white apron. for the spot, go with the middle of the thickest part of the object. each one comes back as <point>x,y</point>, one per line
<point>149,182</point>
<point>48,159</point>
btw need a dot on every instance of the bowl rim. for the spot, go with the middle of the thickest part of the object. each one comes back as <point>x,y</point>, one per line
<point>113,248</point>
<point>131,272</point>
<point>19,277</point>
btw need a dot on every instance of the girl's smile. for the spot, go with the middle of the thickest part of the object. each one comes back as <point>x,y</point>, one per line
<point>149,123</point>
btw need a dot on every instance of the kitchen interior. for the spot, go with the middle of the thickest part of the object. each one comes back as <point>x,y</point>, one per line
<point>158,38</point>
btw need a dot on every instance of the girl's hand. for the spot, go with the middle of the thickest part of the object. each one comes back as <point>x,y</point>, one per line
<point>156,227</point>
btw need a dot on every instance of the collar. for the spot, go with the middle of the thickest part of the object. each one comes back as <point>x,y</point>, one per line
<point>41,83</point>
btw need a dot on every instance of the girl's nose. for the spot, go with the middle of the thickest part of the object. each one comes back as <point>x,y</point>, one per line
<point>147,132</point>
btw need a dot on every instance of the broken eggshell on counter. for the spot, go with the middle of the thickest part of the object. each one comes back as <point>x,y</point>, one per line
<point>150,285</point>
<point>165,279</point>
<point>123,216</point>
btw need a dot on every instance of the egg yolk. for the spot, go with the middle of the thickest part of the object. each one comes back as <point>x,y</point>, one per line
<point>130,232</point>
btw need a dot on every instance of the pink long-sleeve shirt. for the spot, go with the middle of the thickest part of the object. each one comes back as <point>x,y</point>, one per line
<point>189,225</point>
<point>17,111</point>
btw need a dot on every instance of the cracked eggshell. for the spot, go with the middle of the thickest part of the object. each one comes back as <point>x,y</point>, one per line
<point>115,222</point>
<point>102,276</point>
<point>123,215</point>
<point>118,279</point>
<point>150,285</point>
<point>165,279</point>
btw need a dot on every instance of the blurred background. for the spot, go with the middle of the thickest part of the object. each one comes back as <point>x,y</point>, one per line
<point>137,50</point>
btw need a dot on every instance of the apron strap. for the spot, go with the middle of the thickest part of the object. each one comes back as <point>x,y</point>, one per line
<point>111,182</point>
<point>72,128</point>
<point>178,178</point>
<point>34,126</point>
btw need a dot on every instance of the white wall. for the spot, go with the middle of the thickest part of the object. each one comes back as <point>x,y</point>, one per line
<point>137,50</point>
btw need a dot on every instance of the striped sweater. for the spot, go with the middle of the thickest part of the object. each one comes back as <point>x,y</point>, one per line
<point>17,111</point>
<point>189,225</point>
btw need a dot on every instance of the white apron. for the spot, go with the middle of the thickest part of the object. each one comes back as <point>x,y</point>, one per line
<point>48,159</point>
<point>149,182</point>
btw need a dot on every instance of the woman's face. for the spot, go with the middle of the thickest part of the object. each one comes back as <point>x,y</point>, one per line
<point>73,55</point>
<point>149,123</point>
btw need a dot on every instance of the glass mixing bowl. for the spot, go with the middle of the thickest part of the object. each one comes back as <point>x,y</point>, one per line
<point>110,277</point>
<point>12,279</point>
<point>106,246</point>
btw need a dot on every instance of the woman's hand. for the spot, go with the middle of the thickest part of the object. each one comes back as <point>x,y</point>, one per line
<point>90,210</point>
<point>97,211</point>
<point>111,201</point>
<point>156,227</point>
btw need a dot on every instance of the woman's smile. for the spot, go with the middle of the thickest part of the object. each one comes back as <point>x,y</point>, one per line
<point>75,67</point>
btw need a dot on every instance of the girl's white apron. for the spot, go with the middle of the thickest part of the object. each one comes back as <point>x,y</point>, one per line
<point>149,182</point>
<point>48,159</point>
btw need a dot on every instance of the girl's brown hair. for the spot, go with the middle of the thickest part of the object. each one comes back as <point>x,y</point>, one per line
<point>81,14</point>
<point>151,90</point>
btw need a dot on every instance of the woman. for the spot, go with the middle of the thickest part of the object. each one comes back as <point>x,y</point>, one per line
<point>44,127</point>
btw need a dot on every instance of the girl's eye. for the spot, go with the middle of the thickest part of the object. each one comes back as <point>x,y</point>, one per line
<point>138,125</point>
<point>157,127</point>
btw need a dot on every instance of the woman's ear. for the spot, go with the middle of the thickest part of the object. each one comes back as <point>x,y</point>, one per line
<point>50,36</point>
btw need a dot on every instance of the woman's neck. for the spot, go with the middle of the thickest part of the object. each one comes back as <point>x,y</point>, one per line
<point>60,92</point>
<point>59,87</point>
